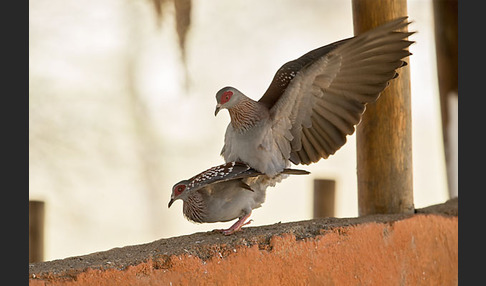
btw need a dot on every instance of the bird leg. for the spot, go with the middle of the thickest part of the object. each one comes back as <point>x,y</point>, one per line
<point>237,225</point>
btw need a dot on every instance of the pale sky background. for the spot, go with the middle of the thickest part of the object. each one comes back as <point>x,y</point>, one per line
<point>112,127</point>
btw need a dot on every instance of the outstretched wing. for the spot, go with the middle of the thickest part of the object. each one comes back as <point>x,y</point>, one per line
<point>316,100</point>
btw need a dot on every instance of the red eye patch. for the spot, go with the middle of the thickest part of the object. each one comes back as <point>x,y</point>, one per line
<point>226,96</point>
<point>179,189</point>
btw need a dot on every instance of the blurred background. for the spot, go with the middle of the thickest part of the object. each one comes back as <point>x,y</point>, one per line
<point>121,107</point>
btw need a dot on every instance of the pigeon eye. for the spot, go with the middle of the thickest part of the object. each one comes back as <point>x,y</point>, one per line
<point>226,96</point>
<point>179,189</point>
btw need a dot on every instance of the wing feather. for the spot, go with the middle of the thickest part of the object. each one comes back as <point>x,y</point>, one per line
<point>324,93</point>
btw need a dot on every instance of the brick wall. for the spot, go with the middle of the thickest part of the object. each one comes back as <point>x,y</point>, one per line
<point>419,249</point>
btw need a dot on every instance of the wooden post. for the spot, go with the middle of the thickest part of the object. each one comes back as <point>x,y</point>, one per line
<point>446,39</point>
<point>324,198</point>
<point>384,136</point>
<point>36,231</point>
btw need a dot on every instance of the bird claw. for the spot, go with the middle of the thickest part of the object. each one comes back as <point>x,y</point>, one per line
<point>248,222</point>
<point>234,228</point>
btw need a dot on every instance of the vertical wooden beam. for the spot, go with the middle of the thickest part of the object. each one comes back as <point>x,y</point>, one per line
<point>36,231</point>
<point>446,39</point>
<point>384,136</point>
<point>324,198</point>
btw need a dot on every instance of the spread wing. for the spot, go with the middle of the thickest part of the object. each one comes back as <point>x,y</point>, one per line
<point>316,101</point>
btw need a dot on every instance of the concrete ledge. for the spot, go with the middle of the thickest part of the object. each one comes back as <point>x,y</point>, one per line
<point>371,250</point>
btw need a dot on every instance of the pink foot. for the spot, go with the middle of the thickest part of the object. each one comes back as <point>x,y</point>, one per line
<point>236,226</point>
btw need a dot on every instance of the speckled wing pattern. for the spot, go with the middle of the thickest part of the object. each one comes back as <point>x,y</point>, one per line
<point>230,171</point>
<point>222,173</point>
<point>318,99</point>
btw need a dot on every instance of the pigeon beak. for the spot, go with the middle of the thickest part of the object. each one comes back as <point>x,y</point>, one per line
<point>218,108</point>
<point>171,201</point>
